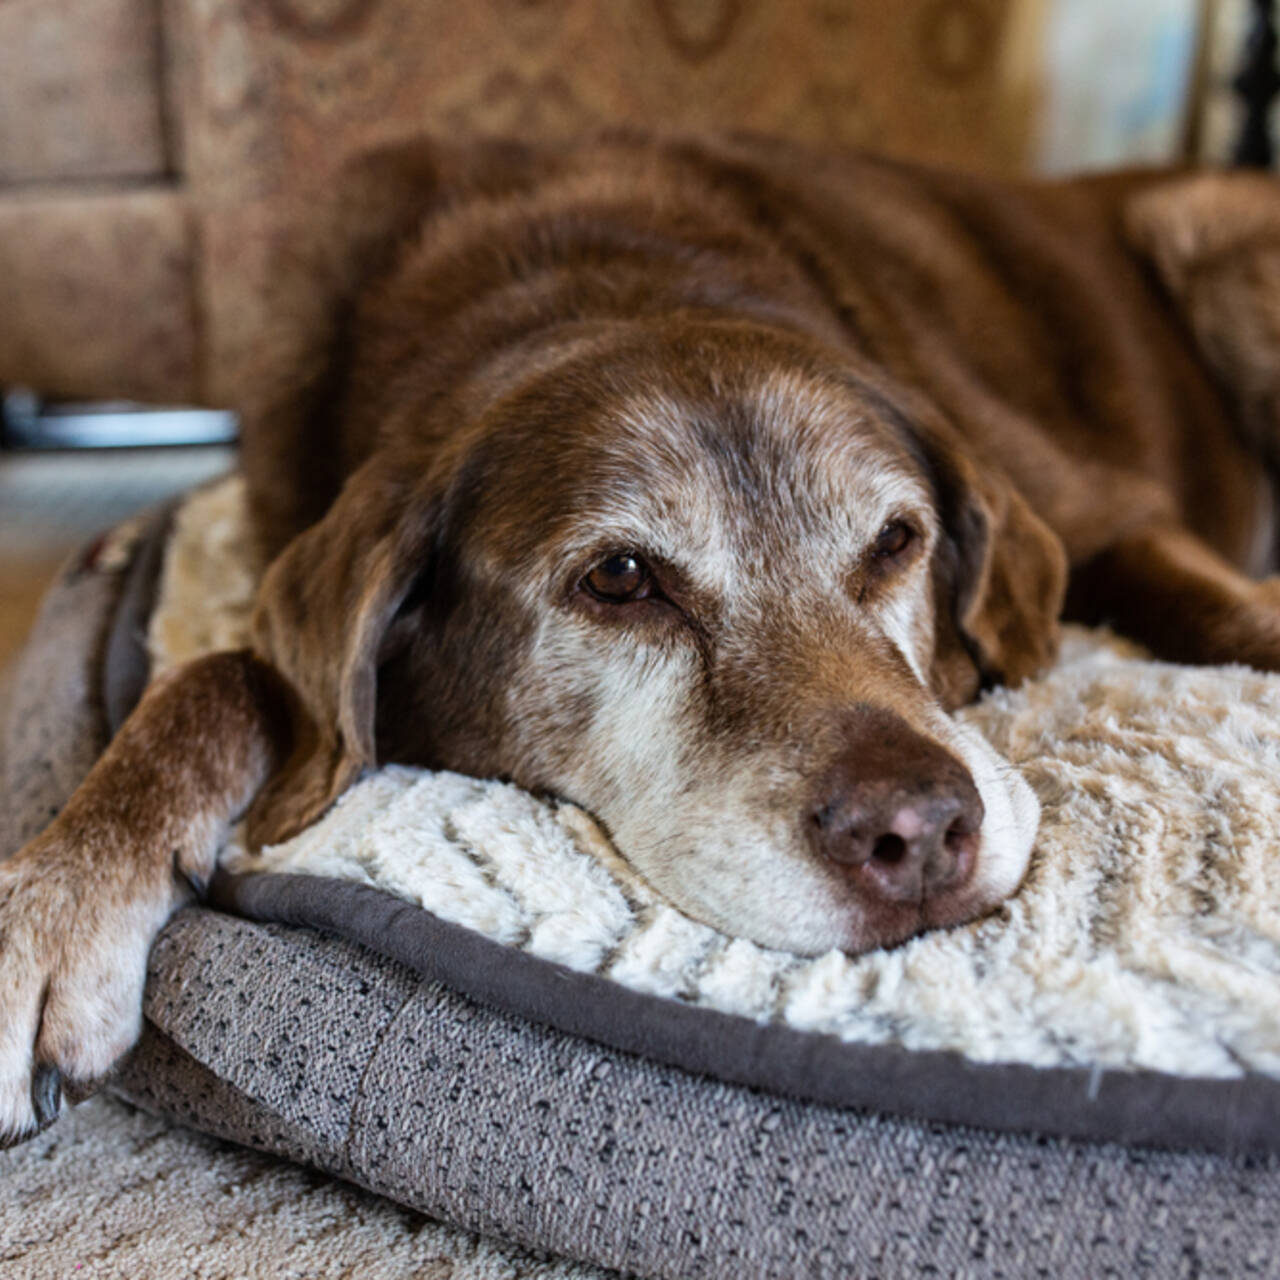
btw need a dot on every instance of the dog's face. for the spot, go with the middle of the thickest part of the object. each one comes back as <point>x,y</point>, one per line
<point>716,589</point>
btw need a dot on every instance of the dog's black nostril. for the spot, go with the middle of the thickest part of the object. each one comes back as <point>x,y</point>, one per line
<point>958,834</point>
<point>890,849</point>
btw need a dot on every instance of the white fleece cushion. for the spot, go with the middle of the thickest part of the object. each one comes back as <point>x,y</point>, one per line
<point>1146,933</point>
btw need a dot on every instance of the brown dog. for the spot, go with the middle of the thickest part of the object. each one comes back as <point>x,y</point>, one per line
<point>694,482</point>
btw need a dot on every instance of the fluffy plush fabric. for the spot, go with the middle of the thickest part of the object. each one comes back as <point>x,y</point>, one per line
<point>1146,933</point>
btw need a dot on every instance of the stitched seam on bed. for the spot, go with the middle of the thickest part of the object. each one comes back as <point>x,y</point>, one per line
<point>364,1075</point>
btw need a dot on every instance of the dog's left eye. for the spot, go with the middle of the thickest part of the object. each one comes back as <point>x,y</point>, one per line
<point>894,539</point>
<point>621,578</point>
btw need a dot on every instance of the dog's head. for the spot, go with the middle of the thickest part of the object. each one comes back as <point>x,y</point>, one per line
<point>709,580</point>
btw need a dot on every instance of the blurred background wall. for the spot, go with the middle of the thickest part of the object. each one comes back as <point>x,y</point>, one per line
<point>143,143</point>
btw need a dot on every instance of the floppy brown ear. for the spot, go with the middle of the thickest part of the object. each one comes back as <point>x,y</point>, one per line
<point>322,613</point>
<point>1214,240</point>
<point>331,591</point>
<point>1000,574</point>
<point>325,600</point>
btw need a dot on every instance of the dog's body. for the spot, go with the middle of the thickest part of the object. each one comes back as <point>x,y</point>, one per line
<point>694,482</point>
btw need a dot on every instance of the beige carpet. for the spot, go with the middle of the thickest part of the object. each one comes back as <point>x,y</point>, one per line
<point>112,1192</point>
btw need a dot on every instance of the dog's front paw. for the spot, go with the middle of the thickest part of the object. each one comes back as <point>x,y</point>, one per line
<point>73,956</point>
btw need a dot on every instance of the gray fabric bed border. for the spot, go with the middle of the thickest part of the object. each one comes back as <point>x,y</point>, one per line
<point>1139,1107</point>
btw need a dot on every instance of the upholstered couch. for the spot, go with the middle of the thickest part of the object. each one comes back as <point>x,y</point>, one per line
<point>144,143</point>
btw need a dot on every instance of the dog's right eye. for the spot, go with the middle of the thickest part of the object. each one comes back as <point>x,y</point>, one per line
<point>619,579</point>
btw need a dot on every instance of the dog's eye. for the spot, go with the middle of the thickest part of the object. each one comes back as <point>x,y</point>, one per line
<point>619,579</point>
<point>893,540</point>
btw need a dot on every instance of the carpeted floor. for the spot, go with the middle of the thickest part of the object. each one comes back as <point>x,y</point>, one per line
<point>111,1193</point>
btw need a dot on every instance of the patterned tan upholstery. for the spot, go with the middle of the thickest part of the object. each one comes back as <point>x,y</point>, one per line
<point>80,91</point>
<point>98,294</point>
<point>257,97</point>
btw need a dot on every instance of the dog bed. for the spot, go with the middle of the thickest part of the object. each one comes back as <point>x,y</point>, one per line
<point>577,1068</point>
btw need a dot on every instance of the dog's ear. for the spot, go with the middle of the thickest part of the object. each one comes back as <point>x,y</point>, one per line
<point>325,600</point>
<point>999,576</point>
<point>1214,241</point>
<point>331,592</point>
<point>322,616</point>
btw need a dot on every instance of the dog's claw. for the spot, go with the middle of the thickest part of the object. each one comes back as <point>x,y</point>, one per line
<point>46,1094</point>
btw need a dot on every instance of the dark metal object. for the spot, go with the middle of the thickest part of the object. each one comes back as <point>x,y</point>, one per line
<point>28,423</point>
<point>1257,83</point>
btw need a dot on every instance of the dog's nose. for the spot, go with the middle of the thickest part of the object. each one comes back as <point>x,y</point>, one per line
<point>898,813</point>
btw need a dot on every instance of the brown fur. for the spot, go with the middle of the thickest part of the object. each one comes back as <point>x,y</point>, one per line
<point>479,356</point>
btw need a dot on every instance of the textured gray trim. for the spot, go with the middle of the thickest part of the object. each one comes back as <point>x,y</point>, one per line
<point>54,726</point>
<point>317,1048</point>
<point>127,661</point>
<point>1139,1107</point>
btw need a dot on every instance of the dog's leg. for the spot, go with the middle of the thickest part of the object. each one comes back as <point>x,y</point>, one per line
<point>1166,589</point>
<point>81,904</point>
